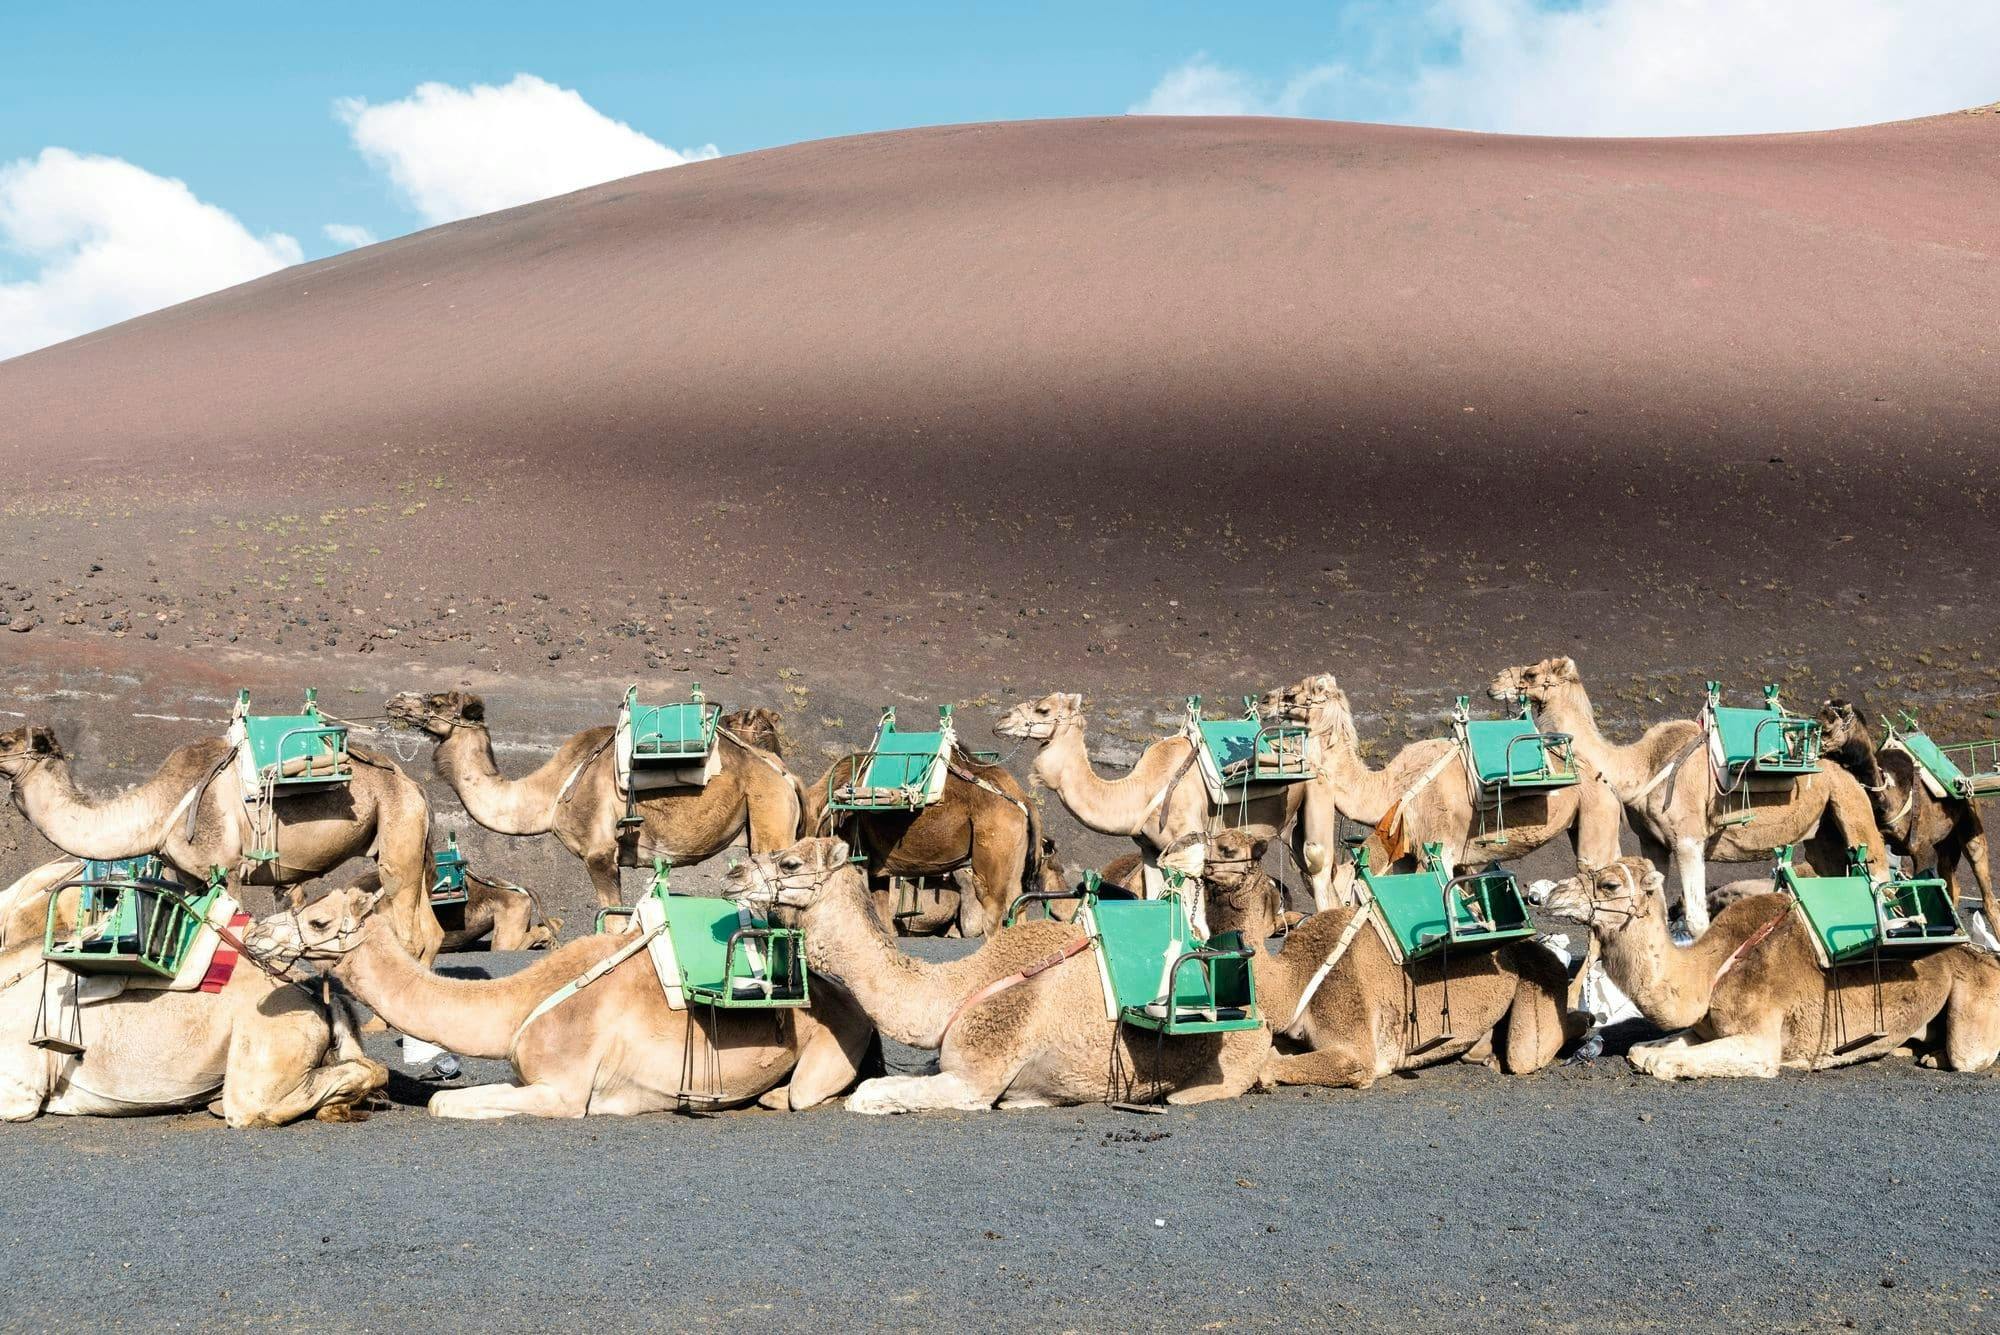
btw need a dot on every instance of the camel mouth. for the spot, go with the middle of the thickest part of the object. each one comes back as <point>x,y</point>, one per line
<point>1568,903</point>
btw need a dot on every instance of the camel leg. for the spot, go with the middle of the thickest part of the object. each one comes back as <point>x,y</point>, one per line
<point>511,912</point>
<point>1741,1055</point>
<point>831,1056</point>
<point>1972,1015</point>
<point>335,1093</point>
<point>1974,849</point>
<point>1537,1026</point>
<point>1319,822</point>
<point>1337,1067</point>
<point>998,864</point>
<point>774,821</point>
<point>1644,1055</point>
<point>918,1093</point>
<point>402,856</point>
<point>1691,870</point>
<point>485,1102</point>
<point>1238,1063</point>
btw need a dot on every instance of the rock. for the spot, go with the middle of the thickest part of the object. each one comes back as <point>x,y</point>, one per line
<point>20,625</point>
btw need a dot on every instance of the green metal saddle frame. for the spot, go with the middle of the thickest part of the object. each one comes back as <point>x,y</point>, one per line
<point>1429,911</point>
<point>900,771</point>
<point>1963,770</point>
<point>1248,750</point>
<point>674,734</point>
<point>1512,753</point>
<point>1851,917</point>
<point>1764,741</point>
<point>131,916</point>
<point>723,957</point>
<point>288,752</point>
<point>448,875</point>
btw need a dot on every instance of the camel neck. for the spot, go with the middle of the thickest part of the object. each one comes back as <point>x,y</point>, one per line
<point>1362,794</point>
<point>1670,984</point>
<point>505,806</point>
<point>907,999</point>
<point>472,1017</point>
<point>1108,806</point>
<point>128,825</point>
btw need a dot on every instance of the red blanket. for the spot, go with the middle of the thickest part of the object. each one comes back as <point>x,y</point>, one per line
<point>224,962</point>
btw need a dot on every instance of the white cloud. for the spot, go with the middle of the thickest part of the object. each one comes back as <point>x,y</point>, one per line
<point>1631,67</point>
<point>453,152</point>
<point>107,240</point>
<point>347,236</point>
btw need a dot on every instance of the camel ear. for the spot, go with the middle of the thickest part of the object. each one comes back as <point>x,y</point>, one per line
<point>470,707</point>
<point>42,741</point>
<point>1260,837</point>
<point>837,852</point>
<point>1324,682</point>
<point>1074,701</point>
<point>1656,884</point>
<point>1565,668</point>
<point>363,905</point>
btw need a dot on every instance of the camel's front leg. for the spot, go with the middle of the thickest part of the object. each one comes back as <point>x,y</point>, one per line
<point>335,1093</point>
<point>835,1049</point>
<point>1691,869</point>
<point>1238,1066</point>
<point>1319,838</point>
<point>1339,1067</point>
<point>485,1102</point>
<point>1740,1055</point>
<point>919,1093</point>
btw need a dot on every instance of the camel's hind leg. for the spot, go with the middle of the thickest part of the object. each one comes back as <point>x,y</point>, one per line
<point>1238,1063</point>
<point>998,865</point>
<point>835,1049</point>
<point>1537,1024</point>
<point>1339,1067</point>
<point>1972,1013</point>
<point>485,1102</point>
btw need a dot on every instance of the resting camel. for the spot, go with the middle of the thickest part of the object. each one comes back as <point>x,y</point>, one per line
<point>1746,1002</point>
<point>1429,785</point>
<point>574,794</point>
<point>379,813</point>
<point>1040,1043</point>
<point>1672,796</point>
<point>504,916</point>
<point>1931,831</point>
<point>614,1047</point>
<point>1160,802</point>
<point>982,821</point>
<point>1368,1013</point>
<point>265,1046</point>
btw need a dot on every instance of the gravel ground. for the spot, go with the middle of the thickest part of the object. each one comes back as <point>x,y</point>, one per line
<point>1585,1197</point>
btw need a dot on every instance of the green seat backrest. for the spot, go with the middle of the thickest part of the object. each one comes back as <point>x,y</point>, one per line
<point>701,929</point>
<point>276,738</point>
<point>1233,740</point>
<point>1507,751</point>
<point>1840,910</point>
<point>1141,939</point>
<point>674,731</point>
<point>902,758</point>
<point>1412,907</point>
<point>1932,757</point>
<point>1758,737</point>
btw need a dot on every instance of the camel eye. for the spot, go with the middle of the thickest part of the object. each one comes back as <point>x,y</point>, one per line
<point>791,864</point>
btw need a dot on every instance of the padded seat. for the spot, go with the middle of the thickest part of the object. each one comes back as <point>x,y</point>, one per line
<point>1849,916</point>
<point>1762,741</point>
<point>900,771</point>
<point>1942,766</point>
<point>288,751</point>
<point>1141,946</point>
<point>1420,913</point>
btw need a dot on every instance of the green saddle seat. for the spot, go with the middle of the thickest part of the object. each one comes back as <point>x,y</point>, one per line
<point>1234,753</point>
<point>130,916</point>
<point>1769,740</point>
<point>287,752</point>
<point>713,953</point>
<point>1157,975</point>
<point>1513,752</point>
<point>900,771</point>
<point>448,875</point>
<point>1421,913</point>
<point>674,733</point>
<point>1964,771</point>
<point>1849,916</point>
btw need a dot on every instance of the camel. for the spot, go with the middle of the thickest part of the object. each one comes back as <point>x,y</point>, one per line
<point>193,813</point>
<point>1427,784</point>
<point>1670,792</point>
<point>502,915</point>
<point>574,794</point>
<point>1749,998</point>
<point>1370,1016</point>
<point>1040,1043</point>
<point>981,821</point>
<point>1931,831</point>
<point>1161,802</point>
<point>263,1044</point>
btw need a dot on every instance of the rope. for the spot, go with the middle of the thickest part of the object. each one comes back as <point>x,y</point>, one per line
<point>1319,976</point>
<point>1015,979</point>
<point>583,980</point>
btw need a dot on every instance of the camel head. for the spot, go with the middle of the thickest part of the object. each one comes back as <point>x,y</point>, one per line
<point>795,879</point>
<point>756,725</point>
<point>1841,723</point>
<point>438,712</point>
<point>25,746</point>
<point>325,929</point>
<point>1535,681</point>
<point>1613,897</point>
<point>1316,701</point>
<point>1241,897</point>
<point>1037,720</point>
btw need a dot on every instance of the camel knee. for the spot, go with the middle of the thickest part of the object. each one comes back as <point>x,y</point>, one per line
<point>917,1093</point>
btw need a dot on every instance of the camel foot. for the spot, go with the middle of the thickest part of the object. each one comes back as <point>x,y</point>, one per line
<point>373,1025</point>
<point>485,1102</point>
<point>341,1112</point>
<point>916,1093</point>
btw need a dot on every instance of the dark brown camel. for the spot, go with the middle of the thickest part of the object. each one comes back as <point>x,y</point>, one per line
<point>1931,831</point>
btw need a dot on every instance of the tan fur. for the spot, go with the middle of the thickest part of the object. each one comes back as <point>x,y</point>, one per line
<point>1776,1007</point>
<point>504,916</point>
<point>1443,811</point>
<point>753,791</point>
<point>1508,1006</point>
<point>1683,817</point>
<point>380,813</point>
<point>615,1047</point>
<point>967,826</point>
<point>1045,1041</point>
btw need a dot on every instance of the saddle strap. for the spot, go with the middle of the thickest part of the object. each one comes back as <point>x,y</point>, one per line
<point>581,981</point>
<point>1171,783</point>
<point>1353,929</point>
<point>1750,943</point>
<point>1666,770</point>
<point>1015,979</point>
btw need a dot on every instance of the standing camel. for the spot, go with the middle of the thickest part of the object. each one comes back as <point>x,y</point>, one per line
<point>1675,802</point>
<point>1427,786</point>
<point>1931,831</point>
<point>1368,1016</point>
<point>1041,1042</point>
<point>574,794</point>
<point>1160,802</point>
<point>982,820</point>
<point>193,813</point>
<point>1749,998</point>
<point>613,1047</point>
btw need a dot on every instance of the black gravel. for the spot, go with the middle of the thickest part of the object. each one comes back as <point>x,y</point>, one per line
<point>1587,1197</point>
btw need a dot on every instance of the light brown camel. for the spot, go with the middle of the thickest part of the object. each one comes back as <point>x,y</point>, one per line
<point>614,1047</point>
<point>1772,1006</point>
<point>1676,806</point>
<point>380,813</point>
<point>503,916</point>
<point>981,821</point>
<point>1368,1016</point>
<point>266,1047</point>
<point>1429,784</point>
<point>1161,801</point>
<point>1041,1043</point>
<point>574,794</point>
<point>1931,831</point>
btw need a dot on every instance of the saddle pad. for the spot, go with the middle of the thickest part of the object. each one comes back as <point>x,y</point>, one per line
<point>206,954</point>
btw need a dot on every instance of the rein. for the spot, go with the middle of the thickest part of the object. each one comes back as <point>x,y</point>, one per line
<point>1015,979</point>
<point>1750,943</point>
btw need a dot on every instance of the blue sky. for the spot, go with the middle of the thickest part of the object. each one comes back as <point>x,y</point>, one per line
<point>243,104</point>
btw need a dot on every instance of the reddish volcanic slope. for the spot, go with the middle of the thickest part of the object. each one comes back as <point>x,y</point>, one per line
<point>1133,404</point>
